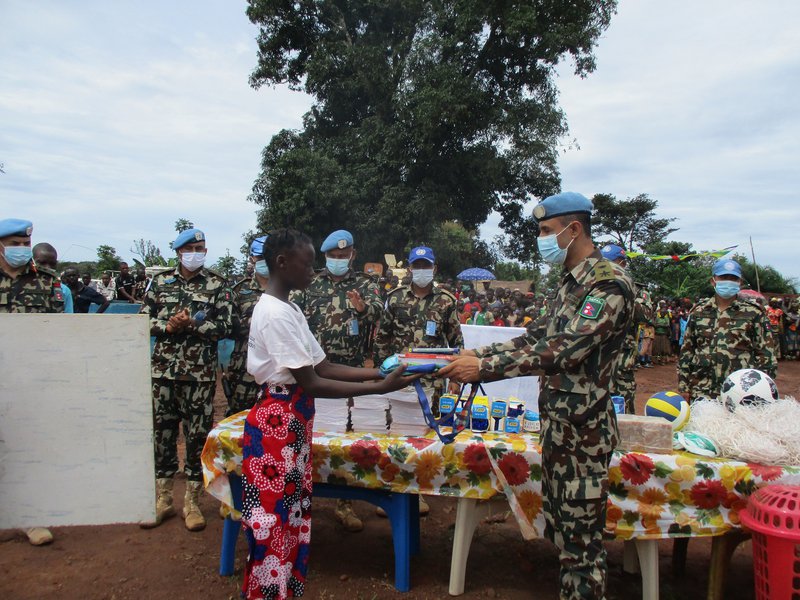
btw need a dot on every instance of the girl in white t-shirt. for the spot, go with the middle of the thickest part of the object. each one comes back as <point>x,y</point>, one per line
<point>290,366</point>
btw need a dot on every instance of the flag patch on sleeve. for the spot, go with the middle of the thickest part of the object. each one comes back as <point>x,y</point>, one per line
<point>592,307</point>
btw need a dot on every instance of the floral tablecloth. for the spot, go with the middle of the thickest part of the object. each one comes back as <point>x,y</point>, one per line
<point>651,495</point>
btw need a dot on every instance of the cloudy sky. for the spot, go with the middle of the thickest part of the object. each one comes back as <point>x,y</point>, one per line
<point>117,118</point>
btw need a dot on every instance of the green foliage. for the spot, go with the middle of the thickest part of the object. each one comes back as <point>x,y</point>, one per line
<point>85,266</point>
<point>630,223</point>
<point>107,259</point>
<point>227,266</point>
<point>770,279</point>
<point>149,253</point>
<point>182,225</point>
<point>424,112</point>
<point>514,271</point>
<point>687,278</point>
<point>457,249</point>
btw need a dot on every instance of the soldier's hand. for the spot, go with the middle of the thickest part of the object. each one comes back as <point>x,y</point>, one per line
<point>356,300</point>
<point>466,369</point>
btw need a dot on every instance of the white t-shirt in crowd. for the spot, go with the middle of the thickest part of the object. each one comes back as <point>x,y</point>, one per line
<point>280,340</point>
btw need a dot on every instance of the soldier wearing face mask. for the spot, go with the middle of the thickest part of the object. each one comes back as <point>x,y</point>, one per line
<point>725,333</point>
<point>190,309</point>
<point>419,315</point>
<point>342,306</point>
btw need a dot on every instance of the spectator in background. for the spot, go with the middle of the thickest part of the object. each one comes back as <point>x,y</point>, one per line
<point>83,296</point>
<point>792,323</point>
<point>87,280</point>
<point>141,285</point>
<point>107,287</point>
<point>45,255</point>
<point>125,283</point>
<point>661,325</point>
<point>775,316</point>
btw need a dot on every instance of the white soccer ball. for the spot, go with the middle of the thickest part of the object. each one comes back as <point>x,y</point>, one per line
<point>748,387</point>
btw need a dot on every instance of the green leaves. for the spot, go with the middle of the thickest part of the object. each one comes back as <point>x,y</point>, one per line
<point>424,112</point>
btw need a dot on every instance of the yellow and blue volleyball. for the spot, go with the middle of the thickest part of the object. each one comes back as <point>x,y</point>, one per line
<point>670,406</point>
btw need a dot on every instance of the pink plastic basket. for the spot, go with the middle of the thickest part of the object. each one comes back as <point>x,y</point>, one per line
<point>773,515</point>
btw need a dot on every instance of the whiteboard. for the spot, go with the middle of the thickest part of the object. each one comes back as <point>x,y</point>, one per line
<point>76,420</point>
<point>524,388</point>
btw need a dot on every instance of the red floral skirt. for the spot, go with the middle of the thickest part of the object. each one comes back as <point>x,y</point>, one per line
<point>276,492</point>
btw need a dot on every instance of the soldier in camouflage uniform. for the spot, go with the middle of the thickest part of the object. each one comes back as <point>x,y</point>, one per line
<point>341,306</point>
<point>241,389</point>
<point>419,315</point>
<point>724,334</point>
<point>574,348</point>
<point>26,288</point>
<point>624,381</point>
<point>190,309</point>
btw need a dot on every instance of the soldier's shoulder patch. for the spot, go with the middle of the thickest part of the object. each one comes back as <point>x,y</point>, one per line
<point>58,293</point>
<point>592,307</point>
<point>603,271</point>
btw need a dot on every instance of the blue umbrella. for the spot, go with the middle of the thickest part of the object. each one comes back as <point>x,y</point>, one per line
<point>475,274</point>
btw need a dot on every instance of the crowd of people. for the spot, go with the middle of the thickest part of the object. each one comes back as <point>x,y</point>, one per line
<point>299,334</point>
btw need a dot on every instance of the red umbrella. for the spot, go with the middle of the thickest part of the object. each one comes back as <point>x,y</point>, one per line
<point>752,294</point>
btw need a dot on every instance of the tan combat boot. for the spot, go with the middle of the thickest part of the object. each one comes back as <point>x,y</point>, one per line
<point>164,507</point>
<point>345,515</point>
<point>191,506</point>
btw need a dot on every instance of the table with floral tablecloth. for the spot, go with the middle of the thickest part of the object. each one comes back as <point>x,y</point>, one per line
<point>651,496</point>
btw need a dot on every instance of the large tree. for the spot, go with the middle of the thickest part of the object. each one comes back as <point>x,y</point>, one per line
<point>423,111</point>
<point>632,223</point>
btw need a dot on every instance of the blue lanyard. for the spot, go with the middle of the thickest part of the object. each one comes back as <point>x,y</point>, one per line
<point>460,416</point>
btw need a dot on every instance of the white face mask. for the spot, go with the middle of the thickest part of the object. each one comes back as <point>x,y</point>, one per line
<point>192,261</point>
<point>422,277</point>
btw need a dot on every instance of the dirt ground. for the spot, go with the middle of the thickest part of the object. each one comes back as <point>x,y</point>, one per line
<point>126,562</point>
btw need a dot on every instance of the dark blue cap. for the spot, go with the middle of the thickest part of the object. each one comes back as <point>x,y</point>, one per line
<point>190,235</point>
<point>612,252</point>
<point>726,266</point>
<point>421,252</point>
<point>18,227</point>
<point>565,203</point>
<point>257,246</point>
<point>338,239</point>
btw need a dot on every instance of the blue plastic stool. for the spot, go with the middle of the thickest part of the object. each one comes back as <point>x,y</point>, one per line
<point>402,510</point>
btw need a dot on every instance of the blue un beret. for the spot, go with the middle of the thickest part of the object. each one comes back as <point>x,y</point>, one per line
<point>612,252</point>
<point>726,266</point>
<point>257,246</point>
<point>564,203</point>
<point>338,239</point>
<point>421,252</point>
<point>190,235</point>
<point>20,227</point>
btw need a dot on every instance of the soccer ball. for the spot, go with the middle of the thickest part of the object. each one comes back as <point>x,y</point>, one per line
<point>670,406</point>
<point>748,387</point>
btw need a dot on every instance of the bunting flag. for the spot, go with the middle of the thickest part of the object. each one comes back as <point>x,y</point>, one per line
<point>680,257</point>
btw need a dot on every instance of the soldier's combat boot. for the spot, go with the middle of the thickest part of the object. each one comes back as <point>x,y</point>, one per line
<point>164,507</point>
<point>191,506</point>
<point>345,515</point>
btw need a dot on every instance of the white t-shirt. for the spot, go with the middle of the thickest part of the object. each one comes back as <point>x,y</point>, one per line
<point>280,340</point>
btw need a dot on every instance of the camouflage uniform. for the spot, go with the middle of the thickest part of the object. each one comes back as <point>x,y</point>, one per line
<point>34,290</point>
<point>339,328</point>
<point>624,382</point>
<point>184,364</point>
<point>717,344</point>
<point>407,321</point>
<point>243,388</point>
<point>576,348</point>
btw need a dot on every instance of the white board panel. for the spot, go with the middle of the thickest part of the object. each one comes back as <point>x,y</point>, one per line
<point>524,388</point>
<point>76,420</point>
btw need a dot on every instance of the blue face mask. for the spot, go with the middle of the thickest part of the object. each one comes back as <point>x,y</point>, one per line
<point>727,289</point>
<point>550,250</point>
<point>17,256</point>
<point>262,268</point>
<point>337,266</point>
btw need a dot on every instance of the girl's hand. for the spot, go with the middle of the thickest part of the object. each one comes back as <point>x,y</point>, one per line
<point>396,380</point>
